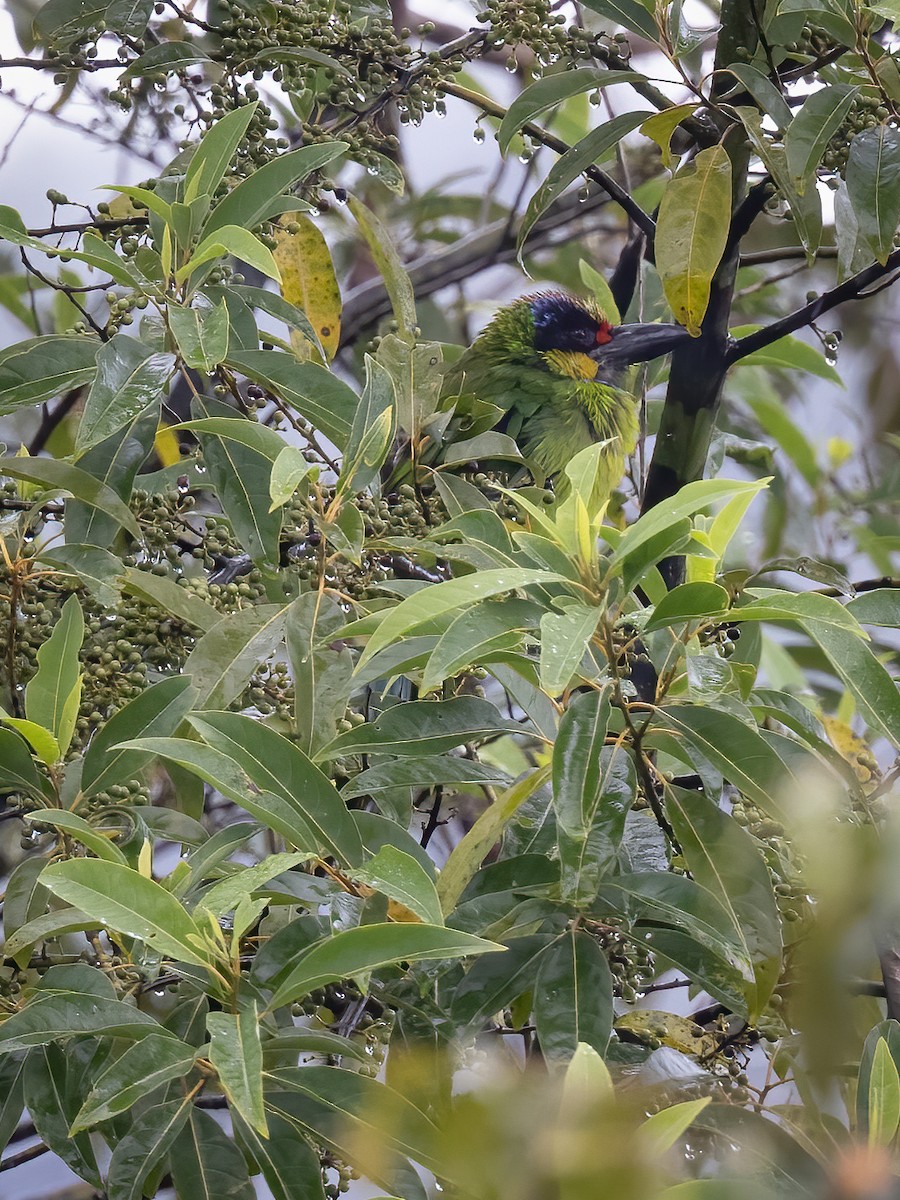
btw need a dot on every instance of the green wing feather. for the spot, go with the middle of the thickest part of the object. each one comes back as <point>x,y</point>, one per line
<point>554,408</point>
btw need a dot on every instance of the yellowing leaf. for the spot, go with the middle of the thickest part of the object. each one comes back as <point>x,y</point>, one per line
<point>662,125</point>
<point>691,233</point>
<point>308,280</point>
<point>851,748</point>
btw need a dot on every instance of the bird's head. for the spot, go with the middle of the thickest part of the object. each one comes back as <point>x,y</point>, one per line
<point>565,325</point>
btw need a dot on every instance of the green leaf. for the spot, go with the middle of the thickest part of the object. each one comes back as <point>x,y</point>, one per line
<point>137,1153</point>
<point>691,233</point>
<point>321,670</point>
<point>52,1085</point>
<point>726,860</point>
<point>11,1099</point>
<point>422,727</point>
<point>222,662</point>
<point>61,1016</point>
<point>691,499</point>
<point>17,768</point>
<point>565,638</point>
<point>361,1119</point>
<point>742,755</point>
<point>883,1109</point>
<point>551,90</point>
<point>764,92</point>
<point>140,1069</point>
<point>63,20</point>
<point>368,947</point>
<point>662,125</point>
<point>236,1054</point>
<point>289,470</point>
<point>317,395</point>
<point>43,367</point>
<point>371,433</point>
<point>470,637</point>
<point>166,594</point>
<point>689,602</point>
<point>435,601</point>
<point>231,239</point>
<point>94,839</point>
<point>628,13</point>
<point>400,877</point>
<point>253,200</point>
<point>837,633</point>
<point>873,183</point>
<point>165,59</point>
<point>881,606</point>
<point>241,477</point>
<point>593,789</point>
<point>573,997</point>
<point>493,982</point>
<point>130,376</point>
<point>665,1127</point>
<point>418,773</point>
<point>387,260</point>
<point>577,773</point>
<point>223,897</point>
<point>156,712</point>
<point>201,334</point>
<point>97,569</point>
<point>127,902</point>
<point>42,742</point>
<point>274,811</point>
<point>217,148</point>
<point>55,475</point>
<point>599,143</point>
<point>468,855</point>
<point>53,693</point>
<point>277,766</point>
<point>288,1163</point>
<point>806,207</point>
<point>812,129</point>
<point>114,463</point>
<point>206,1164</point>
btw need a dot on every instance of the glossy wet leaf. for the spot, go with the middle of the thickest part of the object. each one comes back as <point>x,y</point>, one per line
<point>691,232</point>
<point>130,376</point>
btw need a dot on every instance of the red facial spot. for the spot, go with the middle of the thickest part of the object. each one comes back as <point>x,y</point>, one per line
<point>604,334</point>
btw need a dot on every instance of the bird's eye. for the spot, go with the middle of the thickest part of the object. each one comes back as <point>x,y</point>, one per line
<point>604,335</point>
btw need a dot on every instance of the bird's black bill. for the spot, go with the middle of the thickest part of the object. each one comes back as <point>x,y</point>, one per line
<point>640,343</point>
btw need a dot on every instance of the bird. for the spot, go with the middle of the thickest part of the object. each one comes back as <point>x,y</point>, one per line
<point>557,369</point>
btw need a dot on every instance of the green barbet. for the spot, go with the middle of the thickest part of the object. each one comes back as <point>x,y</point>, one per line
<point>559,371</point>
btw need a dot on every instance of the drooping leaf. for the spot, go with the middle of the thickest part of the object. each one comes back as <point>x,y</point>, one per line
<point>43,367</point>
<point>388,261</point>
<point>691,232</point>
<point>127,902</point>
<point>130,376</point>
<point>593,148</point>
<point>309,282</point>
<point>53,693</point>
<point>573,997</point>
<point>277,766</point>
<point>133,1074</point>
<point>201,333</point>
<point>873,184</point>
<point>552,90</point>
<point>812,128</point>
<point>368,947</point>
<point>236,1054</point>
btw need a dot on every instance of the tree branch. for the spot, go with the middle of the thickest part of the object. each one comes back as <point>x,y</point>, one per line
<point>851,289</point>
<point>643,220</point>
